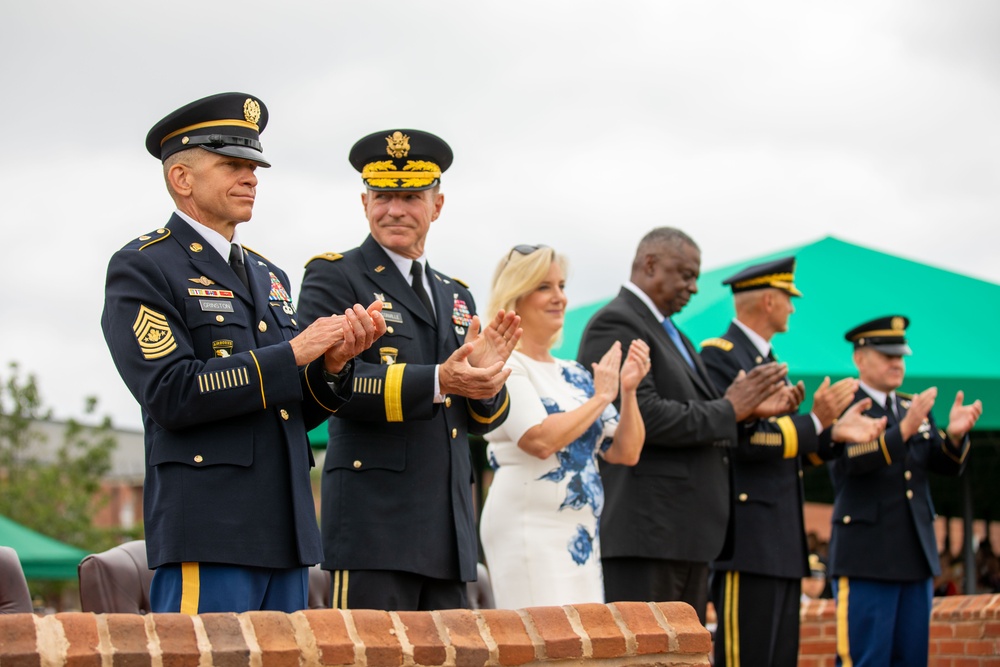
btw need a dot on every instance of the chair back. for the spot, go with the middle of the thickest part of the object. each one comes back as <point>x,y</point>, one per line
<point>14,595</point>
<point>116,581</point>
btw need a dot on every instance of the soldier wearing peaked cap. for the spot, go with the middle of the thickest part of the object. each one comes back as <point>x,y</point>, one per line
<point>883,551</point>
<point>769,556</point>
<point>398,518</point>
<point>203,332</point>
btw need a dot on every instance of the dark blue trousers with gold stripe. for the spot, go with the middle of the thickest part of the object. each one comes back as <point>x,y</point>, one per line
<point>758,620</point>
<point>882,623</point>
<point>199,588</point>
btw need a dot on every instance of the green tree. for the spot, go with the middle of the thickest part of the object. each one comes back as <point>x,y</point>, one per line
<point>52,488</point>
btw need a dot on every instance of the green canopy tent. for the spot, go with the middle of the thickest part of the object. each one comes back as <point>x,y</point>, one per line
<point>844,285</point>
<point>41,557</point>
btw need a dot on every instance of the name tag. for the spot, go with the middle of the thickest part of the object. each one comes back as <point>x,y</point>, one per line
<point>392,317</point>
<point>216,306</point>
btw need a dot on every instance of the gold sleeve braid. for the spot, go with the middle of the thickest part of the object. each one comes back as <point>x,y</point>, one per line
<point>490,419</point>
<point>394,392</point>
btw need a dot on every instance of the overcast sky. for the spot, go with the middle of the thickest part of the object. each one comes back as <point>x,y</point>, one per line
<point>751,125</point>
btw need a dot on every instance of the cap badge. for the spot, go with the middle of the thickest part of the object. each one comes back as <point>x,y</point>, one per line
<point>251,110</point>
<point>398,144</point>
<point>897,324</point>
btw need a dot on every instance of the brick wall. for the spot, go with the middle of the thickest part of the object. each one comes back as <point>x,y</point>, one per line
<point>965,632</point>
<point>635,634</point>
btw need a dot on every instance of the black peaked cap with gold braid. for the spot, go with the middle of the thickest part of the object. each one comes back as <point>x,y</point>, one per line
<point>885,334</point>
<point>401,160</point>
<point>779,274</point>
<point>226,123</point>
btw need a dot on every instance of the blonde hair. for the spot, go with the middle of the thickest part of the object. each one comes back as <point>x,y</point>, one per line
<point>517,275</point>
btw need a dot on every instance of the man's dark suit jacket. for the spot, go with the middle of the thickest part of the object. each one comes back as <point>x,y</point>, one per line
<point>675,503</point>
<point>397,480</point>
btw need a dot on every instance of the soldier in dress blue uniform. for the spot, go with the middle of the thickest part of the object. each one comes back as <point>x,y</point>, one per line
<point>757,591</point>
<point>883,551</point>
<point>397,512</point>
<point>203,332</point>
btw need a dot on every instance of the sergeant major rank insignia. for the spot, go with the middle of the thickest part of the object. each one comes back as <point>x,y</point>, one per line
<point>153,333</point>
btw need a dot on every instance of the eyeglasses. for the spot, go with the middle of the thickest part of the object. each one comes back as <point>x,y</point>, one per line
<point>523,250</point>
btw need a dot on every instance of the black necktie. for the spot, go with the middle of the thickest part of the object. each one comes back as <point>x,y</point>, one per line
<point>417,271</point>
<point>890,409</point>
<point>236,261</point>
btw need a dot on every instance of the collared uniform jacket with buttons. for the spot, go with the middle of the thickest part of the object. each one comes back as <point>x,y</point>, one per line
<point>225,409</point>
<point>883,515</point>
<point>769,535</point>
<point>397,478</point>
<point>674,503</point>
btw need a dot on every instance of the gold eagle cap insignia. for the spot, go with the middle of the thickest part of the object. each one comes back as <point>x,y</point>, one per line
<point>897,324</point>
<point>398,144</point>
<point>251,110</point>
<point>202,280</point>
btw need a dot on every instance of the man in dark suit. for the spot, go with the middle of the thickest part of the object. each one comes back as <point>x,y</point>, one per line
<point>666,518</point>
<point>883,550</point>
<point>397,515</point>
<point>757,591</point>
<point>203,332</point>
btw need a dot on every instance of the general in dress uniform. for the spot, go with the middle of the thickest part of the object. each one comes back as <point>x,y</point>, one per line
<point>203,332</point>
<point>397,512</point>
<point>757,590</point>
<point>883,550</point>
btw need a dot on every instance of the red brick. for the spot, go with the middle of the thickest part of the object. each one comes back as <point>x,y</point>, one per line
<point>981,647</point>
<point>514,644</point>
<point>967,629</point>
<point>276,638</point>
<point>606,640</point>
<point>809,630</point>
<point>991,629</point>
<point>17,637</point>
<point>375,629</point>
<point>129,640</point>
<point>992,609</point>
<point>177,640</point>
<point>229,646</point>
<point>423,635</point>
<point>81,633</point>
<point>692,637</point>
<point>942,630</point>
<point>949,647</point>
<point>818,648</point>
<point>554,629</point>
<point>463,632</point>
<point>639,618</point>
<point>332,639</point>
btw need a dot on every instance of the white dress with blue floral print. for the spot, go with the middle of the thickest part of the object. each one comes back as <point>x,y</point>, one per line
<point>539,526</point>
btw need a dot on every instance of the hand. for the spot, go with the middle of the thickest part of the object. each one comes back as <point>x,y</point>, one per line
<point>606,373</point>
<point>748,390</point>
<point>962,418</point>
<point>361,328</point>
<point>920,407</point>
<point>854,426</point>
<point>310,343</point>
<point>636,365</point>
<point>783,401</point>
<point>497,341</point>
<point>457,376</point>
<point>830,401</point>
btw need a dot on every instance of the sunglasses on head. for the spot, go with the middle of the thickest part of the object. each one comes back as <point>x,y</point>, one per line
<point>523,250</point>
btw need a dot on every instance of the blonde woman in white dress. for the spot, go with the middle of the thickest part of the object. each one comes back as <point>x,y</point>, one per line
<point>540,523</point>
